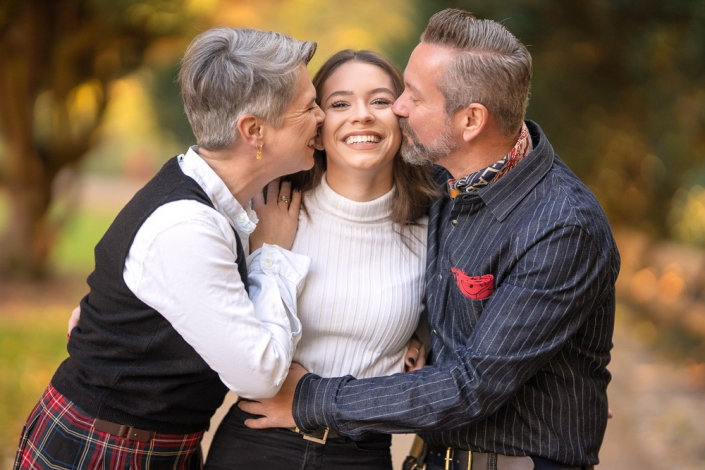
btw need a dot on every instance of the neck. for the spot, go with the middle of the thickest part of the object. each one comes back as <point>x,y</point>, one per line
<point>478,154</point>
<point>243,176</point>
<point>360,185</point>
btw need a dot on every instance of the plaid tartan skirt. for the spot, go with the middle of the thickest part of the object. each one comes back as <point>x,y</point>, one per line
<point>57,435</point>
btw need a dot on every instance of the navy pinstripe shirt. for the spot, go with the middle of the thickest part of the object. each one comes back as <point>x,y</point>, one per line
<point>523,371</point>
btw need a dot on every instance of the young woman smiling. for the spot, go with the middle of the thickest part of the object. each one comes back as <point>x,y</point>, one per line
<point>363,226</point>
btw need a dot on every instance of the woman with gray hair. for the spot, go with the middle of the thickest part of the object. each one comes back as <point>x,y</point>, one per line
<point>168,325</point>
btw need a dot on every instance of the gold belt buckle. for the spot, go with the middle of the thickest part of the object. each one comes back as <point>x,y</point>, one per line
<point>312,438</point>
<point>449,457</point>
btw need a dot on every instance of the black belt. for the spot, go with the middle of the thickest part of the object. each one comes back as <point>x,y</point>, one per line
<point>123,431</point>
<point>455,459</point>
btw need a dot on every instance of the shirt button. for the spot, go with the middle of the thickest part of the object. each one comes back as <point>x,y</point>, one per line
<point>440,277</point>
<point>434,332</point>
<point>268,263</point>
<point>241,218</point>
<point>454,222</point>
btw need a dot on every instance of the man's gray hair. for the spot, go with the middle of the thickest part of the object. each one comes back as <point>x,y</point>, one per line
<point>229,72</point>
<point>492,67</point>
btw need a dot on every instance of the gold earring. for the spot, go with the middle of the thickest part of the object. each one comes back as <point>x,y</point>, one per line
<point>259,153</point>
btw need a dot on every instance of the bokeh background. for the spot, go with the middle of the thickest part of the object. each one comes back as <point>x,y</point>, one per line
<point>89,111</point>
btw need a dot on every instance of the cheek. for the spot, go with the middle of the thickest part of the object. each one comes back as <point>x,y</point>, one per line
<point>306,127</point>
<point>328,131</point>
<point>327,136</point>
<point>396,135</point>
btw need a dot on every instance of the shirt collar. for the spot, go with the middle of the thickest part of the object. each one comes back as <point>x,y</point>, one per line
<point>504,195</point>
<point>494,172</point>
<point>242,218</point>
<point>375,211</point>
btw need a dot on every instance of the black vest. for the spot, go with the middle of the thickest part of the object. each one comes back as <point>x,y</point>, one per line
<point>127,364</point>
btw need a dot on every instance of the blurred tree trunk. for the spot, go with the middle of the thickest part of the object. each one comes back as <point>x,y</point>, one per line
<point>57,58</point>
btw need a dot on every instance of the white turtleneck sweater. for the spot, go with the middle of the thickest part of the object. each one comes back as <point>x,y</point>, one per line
<point>363,295</point>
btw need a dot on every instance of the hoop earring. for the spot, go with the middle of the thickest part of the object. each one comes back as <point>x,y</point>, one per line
<point>259,153</point>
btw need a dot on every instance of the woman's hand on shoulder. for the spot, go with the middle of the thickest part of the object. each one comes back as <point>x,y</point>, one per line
<point>278,215</point>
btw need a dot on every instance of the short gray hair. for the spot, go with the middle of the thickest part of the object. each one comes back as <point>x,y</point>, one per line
<point>229,72</point>
<point>492,67</point>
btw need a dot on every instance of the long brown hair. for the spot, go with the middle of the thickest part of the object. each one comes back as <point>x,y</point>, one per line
<point>414,186</point>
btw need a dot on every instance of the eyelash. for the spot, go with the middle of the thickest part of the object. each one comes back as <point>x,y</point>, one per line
<point>376,101</point>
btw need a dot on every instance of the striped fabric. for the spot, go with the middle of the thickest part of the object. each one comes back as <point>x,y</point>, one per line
<point>364,290</point>
<point>522,371</point>
<point>58,436</point>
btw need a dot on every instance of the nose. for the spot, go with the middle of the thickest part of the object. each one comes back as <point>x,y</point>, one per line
<point>320,116</point>
<point>362,114</point>
<point>399,108</point>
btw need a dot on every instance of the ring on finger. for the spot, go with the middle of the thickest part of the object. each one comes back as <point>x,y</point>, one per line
<point>286,199</point>
<point>418,351</point>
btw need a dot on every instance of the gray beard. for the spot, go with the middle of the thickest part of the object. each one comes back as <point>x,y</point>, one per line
<point>415,153</point>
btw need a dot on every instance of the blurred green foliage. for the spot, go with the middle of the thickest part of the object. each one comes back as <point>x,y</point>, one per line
<point>33,324</point>
<point>23,376</point>
<point>619,89</point>
<point>74,248</point>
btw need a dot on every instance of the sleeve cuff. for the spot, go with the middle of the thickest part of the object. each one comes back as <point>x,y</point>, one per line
<point>275,260</point>
<point>313,402</point>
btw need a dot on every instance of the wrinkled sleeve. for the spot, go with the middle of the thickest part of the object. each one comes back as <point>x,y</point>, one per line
<point>190,276</point>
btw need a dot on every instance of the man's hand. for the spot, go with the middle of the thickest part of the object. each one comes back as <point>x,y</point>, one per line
<point>73,321</point>
<point>276,410</point>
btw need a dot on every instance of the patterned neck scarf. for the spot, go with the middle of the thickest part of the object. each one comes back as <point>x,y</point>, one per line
<point>494,172</point>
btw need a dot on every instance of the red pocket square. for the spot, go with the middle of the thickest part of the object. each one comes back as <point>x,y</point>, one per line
<point>474,287</point>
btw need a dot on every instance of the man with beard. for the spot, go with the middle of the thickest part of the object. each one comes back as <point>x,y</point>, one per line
<point>520,283</point>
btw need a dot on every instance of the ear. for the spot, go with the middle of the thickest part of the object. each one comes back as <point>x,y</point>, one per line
<point>473,119</point>
<point>250,129</point>
<point>318,142</point>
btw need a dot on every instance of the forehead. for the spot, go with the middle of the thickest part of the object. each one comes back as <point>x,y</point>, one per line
<point>305,92</point>
<point>427,64</point>
<point>356,76</point>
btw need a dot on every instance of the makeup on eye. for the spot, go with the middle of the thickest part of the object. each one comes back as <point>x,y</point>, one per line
<point>375,98</point>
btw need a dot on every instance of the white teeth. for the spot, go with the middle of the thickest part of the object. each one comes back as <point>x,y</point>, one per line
<point>362,139</point>
<point>311,142</point>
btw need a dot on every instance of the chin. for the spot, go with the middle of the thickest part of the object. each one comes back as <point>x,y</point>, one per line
<point>308,163</point>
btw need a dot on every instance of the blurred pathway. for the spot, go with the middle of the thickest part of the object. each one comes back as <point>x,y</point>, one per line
<point>659,408</point>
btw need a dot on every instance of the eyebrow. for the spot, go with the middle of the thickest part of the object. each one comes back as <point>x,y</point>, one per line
<point>309,103</point>
<point>411,87</point>
<point>348,93</point>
